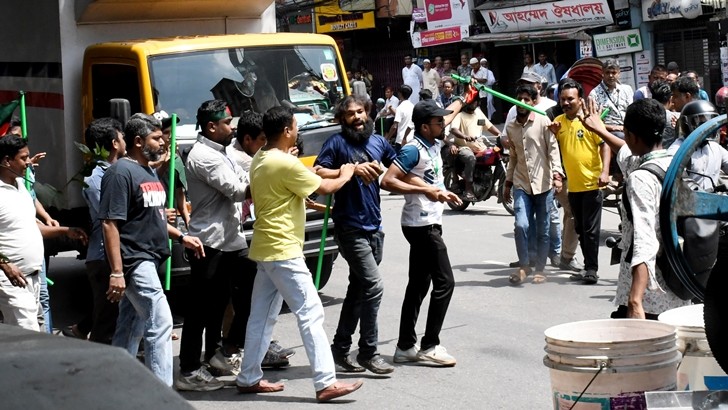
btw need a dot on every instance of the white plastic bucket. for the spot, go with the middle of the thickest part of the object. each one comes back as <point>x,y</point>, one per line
<point>698,369</point>
<point>634,356</point>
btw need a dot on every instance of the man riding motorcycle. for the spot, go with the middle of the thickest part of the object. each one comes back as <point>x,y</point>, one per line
<point>466,140</point>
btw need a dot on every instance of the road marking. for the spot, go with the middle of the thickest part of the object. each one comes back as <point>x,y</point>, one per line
<point>495,263</point>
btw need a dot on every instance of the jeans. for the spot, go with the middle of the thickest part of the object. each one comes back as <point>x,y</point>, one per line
<point>44,298</point>
<point>532,210</point>
<point>554,228</point>
<point>20,306</point>
<point>467,158</point>
<point>587,209</point>
<point>104,313</point>
<point>274,282</point>
<point>206,301</point>
<point>428,262</point>
<point>144,313</point>
<point>363,252</point>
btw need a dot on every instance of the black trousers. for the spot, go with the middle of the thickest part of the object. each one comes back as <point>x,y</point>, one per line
<point>587,210</point>
<point>103,318</point>
<point>205,303</point>
<point>241,293</point>
<point>428,262</point>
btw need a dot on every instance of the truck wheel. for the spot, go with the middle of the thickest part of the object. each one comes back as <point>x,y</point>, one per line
<point>326,268</point>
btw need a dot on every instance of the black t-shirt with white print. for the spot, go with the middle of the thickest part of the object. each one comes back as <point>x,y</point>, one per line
<point>132,195</point>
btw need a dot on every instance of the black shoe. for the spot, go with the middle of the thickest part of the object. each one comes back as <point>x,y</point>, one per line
<point>345,365</point>
<point>517,264</point>
<point>376,365</point>
<point>590,277</point>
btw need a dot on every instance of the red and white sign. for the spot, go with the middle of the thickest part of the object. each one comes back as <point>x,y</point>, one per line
<point>561,14</point>
<point>447,13</point>
<point>439,36</point>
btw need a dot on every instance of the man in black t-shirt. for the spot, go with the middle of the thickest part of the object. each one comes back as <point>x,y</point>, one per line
<point>132,210</point>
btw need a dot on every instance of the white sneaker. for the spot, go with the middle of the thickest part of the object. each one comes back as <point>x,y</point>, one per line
<point>436,355</point>
<point>226,365</point>
<point>406,356</point>
<point>199,380</point>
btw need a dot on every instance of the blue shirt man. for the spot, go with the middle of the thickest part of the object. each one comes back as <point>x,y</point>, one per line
<point>357,215</point>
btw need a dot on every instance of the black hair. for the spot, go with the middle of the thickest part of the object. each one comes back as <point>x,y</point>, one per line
<point>685,85</point>
<point>425,95</point>
<point>406,91</point>
<point>645,119</point>
<point>207,110</point>
<point>140,125</point>
<point>452,82</point>
<point>250,123</point>
<point>275,122</point>
<point>103,132</point>
<point>342,105</point>
<point>661,91</point>
<point>658,69</point>
<point>527,88</point>
<point>15,122</point>
<point>568,84</point>
<point>10,145</point>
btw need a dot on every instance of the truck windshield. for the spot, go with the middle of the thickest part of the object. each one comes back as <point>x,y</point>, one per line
<point>304,78</point>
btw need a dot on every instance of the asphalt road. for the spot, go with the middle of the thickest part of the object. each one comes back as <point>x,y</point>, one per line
<point>495,330</point>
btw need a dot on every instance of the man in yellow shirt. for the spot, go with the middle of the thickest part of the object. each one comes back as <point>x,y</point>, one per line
<point>586,162</point>
<point>279,185</point>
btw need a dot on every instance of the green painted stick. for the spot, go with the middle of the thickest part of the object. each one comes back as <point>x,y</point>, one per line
<point>24,130</point>
<point>320,263</point>
<point>604,113</point>
<point>170,191</point>
<point>466,80</point>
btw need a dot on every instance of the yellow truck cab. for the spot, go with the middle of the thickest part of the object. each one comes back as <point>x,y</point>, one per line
<point>251,72</point>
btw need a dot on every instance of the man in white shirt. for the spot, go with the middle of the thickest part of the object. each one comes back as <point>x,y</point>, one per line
<point>402,126</point>
<point>412,76</point>
<point>390,106</point>
<point>483,76</point>
<point>431,79</point>
<point>610,93</point>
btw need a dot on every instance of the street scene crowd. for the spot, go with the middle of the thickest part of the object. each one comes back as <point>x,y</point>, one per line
<point>569,146</point>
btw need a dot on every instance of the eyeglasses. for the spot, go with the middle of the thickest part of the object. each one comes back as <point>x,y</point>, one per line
<point>440,123</point>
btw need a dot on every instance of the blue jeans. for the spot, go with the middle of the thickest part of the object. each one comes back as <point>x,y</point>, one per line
<point>532,210</point>
<point>554,228</point>
<point>144,313</point>
<point>289,280</point>
<point>363,252</point>
<point>45,301</point>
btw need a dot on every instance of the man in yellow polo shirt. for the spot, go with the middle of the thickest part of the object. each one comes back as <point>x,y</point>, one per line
<point>586,163</point>
<point>279,184</point>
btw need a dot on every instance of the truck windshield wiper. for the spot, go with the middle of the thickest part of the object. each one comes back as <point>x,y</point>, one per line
<point>304,126</point>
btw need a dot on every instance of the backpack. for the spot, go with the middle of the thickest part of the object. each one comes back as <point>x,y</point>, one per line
<point>700,243</point>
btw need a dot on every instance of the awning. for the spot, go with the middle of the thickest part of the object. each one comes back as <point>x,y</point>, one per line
<point>536,36</point>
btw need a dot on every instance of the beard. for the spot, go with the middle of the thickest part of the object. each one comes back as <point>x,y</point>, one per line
<point>354,136</point>
<point>151,155</point>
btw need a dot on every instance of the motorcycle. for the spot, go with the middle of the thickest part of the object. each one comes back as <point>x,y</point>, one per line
<point>489,175</point>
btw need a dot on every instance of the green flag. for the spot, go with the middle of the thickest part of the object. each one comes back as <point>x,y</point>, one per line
<point>6,114</point>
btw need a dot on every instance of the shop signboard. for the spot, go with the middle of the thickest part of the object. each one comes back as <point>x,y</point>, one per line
<point>617,42</point>
<point>557,14</point>
<point>670,9</point>
<point>439,36</point>
<point>447,13</point>
<point>419,16</point>
<point>331,18</point>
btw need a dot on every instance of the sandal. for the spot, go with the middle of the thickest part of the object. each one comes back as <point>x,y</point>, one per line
<point>538,278</point>
<point>518,276</point>
<point>590,277</point>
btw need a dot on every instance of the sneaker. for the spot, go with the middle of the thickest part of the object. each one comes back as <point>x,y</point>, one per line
<point>226,365</point>
<point>555,261</point>
<point>436,355</point>
<point>280,350</point>
<point>406,356</point>
<point>274,360</point>
<point>572,265</point>
<point>376,364</point>
<point>199,380</point>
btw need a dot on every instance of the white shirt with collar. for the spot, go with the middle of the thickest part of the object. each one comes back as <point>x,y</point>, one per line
<point>708,160</point>
<point>20,238</point>
<point>215,184</point>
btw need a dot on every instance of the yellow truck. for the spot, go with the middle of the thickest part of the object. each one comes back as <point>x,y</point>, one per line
<point>72,58</point>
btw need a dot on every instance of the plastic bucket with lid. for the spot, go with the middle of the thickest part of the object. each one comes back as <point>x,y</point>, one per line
<point>618,359</point>
<point>698,369</point>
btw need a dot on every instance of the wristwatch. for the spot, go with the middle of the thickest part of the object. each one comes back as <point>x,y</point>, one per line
<point>181,238</point>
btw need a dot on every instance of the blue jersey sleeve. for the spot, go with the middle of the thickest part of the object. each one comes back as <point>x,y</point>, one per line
<point>407,158</point>
<point>327,156</point>
<point>388,153</point>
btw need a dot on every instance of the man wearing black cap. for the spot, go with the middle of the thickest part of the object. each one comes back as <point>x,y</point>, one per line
<point>216,183</point>
<point>417,173</point>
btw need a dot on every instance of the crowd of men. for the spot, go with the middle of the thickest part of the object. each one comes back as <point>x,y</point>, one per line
<point>563,157</point>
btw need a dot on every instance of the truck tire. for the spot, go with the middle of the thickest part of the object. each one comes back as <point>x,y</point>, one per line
<point>326,268</point>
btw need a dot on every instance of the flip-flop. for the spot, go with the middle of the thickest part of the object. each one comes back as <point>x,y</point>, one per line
<point>538,278</point>
<point>517,277</point>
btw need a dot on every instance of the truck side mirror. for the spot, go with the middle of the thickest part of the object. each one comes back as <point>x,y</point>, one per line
<point>120,109</point>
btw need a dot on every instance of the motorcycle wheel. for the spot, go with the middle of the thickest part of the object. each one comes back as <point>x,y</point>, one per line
<point>449,177</point>
<point>508,205</point>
